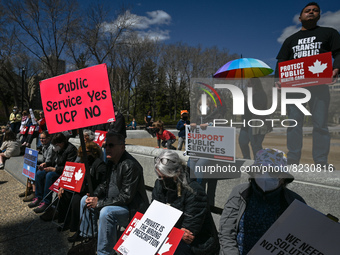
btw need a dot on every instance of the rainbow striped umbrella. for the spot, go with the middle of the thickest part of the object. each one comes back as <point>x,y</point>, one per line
<point>243,68</point>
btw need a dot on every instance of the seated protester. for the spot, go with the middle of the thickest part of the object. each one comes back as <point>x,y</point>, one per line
<point>15,119</point>
<point>89,136</point>
<point>28,123</point>
<point>10,147</point>
<point>253,207</point>
<point>97,169</point>
<point>48,157</point>
<point>132,125</point>
<point>51,172</point>
<point>24,120</point>
<point>175,188</point>
<point>2,133</point>
<point>117,126</point>
<point>42,127</point>
<point>117,199</point>
<point>163,135</point>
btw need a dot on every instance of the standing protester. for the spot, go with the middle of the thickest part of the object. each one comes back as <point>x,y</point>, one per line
<point>15,120</point>
<point>254,134</point>
<point>311,40</point>
<point>148,124</point>
<point>181,127</point>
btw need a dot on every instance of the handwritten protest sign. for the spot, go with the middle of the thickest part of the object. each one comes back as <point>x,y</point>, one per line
<point>55,186</point>
<point>151,231</point>
<point>100,137</point>
<point>307,71</point>
<point>30,163</point>
<point>73,176</point>
<point>77,99</point>
<point>300,230</point>
<point>170,244</point>
<point>212,143</point>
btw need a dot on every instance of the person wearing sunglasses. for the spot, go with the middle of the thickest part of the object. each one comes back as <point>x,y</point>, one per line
<point>117,199</point>
<point>254,206</point>
<point>175,188</point>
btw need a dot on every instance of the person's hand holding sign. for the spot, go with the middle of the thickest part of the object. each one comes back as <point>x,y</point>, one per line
<point>188,237</point>
<point>335,75</point>
<point>91,202</point>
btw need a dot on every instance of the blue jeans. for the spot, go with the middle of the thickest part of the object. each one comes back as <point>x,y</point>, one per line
<point>318,104</point>
<point>109,218</point>
<point>43,181</point>
<point>245,137</point>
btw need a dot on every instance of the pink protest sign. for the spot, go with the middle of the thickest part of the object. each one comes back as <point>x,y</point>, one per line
<point>100,137</point>
<point>77,99</point>
<point>307,71</point>
<point>73,176</point>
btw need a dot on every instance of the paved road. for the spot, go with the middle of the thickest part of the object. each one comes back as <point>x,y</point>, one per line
<point>21,230</point>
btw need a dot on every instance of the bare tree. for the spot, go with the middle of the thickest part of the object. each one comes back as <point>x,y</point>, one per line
<point>43,28</point>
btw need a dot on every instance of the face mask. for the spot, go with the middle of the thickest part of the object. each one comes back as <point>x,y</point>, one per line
<point>185,117</point>
<point>169,183</point>
<point>56,148</point>
<point>14,110</point>
<point>267,183</point>
<point>156,130</point>
<point>91,159</point>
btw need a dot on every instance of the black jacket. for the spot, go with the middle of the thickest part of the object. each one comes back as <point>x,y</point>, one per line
<point>68,153</point>
<point>196,215</point>
<point>130,183</point>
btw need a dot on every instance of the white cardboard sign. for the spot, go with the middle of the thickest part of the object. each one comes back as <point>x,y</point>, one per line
<point>151,231</point>
<point>216,143</point>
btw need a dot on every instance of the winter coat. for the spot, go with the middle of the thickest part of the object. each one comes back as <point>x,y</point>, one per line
<point>233,211</point>
<point>196,215</point>
<point>12,148</point>
<point>130,183</point>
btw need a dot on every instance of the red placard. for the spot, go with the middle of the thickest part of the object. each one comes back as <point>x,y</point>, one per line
<point>73,176</point>
<point>170,244</point>
<point>23,130</point>
<point>55,186</point>
<point>100,137</point>
<point>308,71</point>
<point>77,99</point>
<point>31,130</point>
